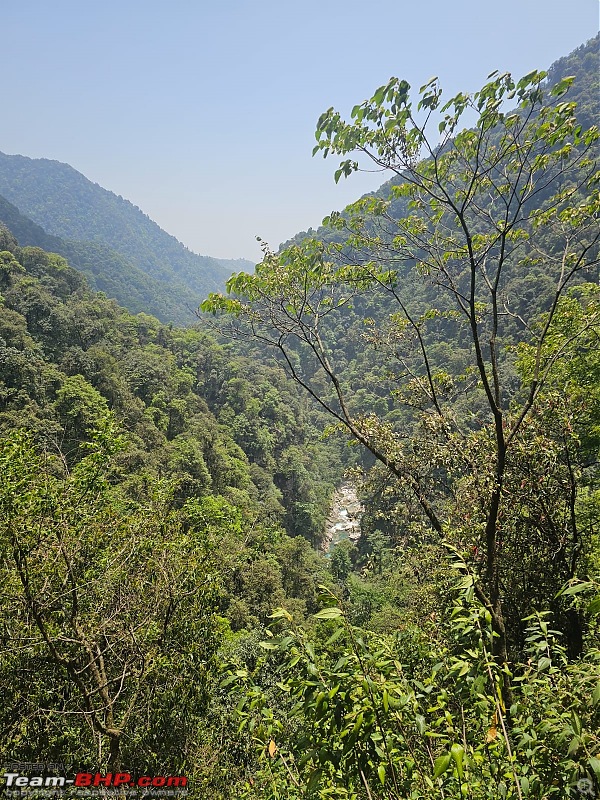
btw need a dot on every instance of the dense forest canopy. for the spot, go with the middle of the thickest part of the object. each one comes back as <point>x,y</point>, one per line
<point>167,605</point>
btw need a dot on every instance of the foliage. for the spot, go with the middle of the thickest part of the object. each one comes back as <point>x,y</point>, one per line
<point>107,595</point>
<point>126,478</point>
<point>192,412</point>
<point>482,208</point>
<point>356,719</point>
<point>162,490</point>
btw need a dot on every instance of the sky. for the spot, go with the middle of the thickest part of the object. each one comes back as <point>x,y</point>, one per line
<point>203,113</point>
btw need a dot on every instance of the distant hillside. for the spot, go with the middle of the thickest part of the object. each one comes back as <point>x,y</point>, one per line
<point>583,63</point>
<point>108,271</point>
<point>26,231</point>
<point>121,250</point>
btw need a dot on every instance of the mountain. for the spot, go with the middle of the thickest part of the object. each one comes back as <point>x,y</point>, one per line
<point>107,270</point>
<point>583,64</point>
<point>120,249</point>
<point>156,615</point>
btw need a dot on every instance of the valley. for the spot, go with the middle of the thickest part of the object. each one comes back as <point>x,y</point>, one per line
<point>327,527</point>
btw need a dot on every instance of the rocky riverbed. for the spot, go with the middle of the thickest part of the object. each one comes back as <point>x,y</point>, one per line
<point>343,521</point>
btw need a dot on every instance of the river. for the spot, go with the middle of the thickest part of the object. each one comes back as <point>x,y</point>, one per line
<point>344,518</point>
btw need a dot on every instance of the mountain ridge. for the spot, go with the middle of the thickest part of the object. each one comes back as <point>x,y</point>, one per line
<point>102,234</point>
<point>583,63</point>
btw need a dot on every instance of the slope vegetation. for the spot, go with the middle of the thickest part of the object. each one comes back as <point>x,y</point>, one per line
<point>113,241</point>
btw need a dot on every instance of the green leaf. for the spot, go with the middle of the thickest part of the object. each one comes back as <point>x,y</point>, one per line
<point>268,645</point>
<point>279,613</point>
<point>594,765</point>
<point>576,588</point>
<point>334,637</point>
<point>594,606</point>
<point>313,781</point>
<point>431,81</point>
<point>381,773</point>
<point>457,751</point>
<point>329,613</point>
<point>562,86</point>
<point>574,746</point>
<point>441,765</point>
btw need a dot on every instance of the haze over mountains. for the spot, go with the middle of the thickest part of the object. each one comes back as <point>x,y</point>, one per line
<point>120,249</point>
<point>164,494</point>
<point>125,254</point>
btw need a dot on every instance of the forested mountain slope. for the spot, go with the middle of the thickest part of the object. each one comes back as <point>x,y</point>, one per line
<point>107,270</point>
<point>449,324</point>
<point>164,611</point>
<point>110,239</point>
<point>156,379</point>
<point>141,450</point>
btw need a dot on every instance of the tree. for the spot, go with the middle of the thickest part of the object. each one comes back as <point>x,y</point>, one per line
<point>470,220</point>
<point>111,605</point>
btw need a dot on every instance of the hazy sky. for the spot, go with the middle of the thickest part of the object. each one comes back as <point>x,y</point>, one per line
<point>203,113</point>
